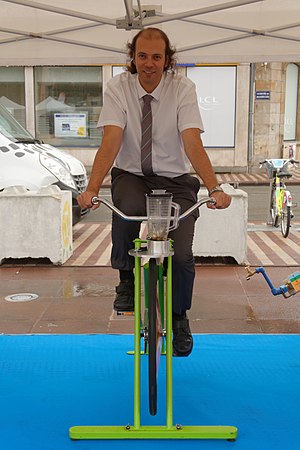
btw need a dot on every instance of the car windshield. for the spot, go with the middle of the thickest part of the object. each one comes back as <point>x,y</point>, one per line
<point>11,128</point>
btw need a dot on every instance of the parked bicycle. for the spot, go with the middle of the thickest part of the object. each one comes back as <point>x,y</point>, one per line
<point>281,201</point>
<point>155,327</point>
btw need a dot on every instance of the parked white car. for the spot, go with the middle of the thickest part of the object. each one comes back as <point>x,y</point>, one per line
<point>26,161</point>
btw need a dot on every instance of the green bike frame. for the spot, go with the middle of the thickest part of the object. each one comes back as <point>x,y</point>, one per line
<point>279,195</point>
<point>168,430</point>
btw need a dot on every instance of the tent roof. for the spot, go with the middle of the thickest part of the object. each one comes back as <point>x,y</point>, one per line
<point>7,103</point>
<point>50,104</point>
<point>61,32</point>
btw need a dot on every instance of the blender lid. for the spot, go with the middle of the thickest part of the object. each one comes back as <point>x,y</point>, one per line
<point>159,193</point>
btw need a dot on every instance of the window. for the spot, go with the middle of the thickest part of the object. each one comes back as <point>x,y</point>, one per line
<point>116,70</point>
<point>291,98</point>
<point>216,92</point>
<point>12,92</point>
<point>68,102</point>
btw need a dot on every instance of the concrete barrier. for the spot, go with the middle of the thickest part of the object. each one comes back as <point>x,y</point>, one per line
<point>221,233</point>
<point>36,224</point>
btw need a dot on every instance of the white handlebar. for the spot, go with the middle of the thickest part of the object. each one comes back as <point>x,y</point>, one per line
<point>175,219</point>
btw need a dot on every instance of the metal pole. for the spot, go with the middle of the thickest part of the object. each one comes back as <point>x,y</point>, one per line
<point>169,349</point>
<point>137,338</point>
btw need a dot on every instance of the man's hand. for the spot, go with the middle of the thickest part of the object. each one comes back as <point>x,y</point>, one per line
<point>222,200</point>
<point>84,200</point>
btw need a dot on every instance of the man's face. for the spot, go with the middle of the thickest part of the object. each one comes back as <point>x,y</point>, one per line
<point>150,61</point>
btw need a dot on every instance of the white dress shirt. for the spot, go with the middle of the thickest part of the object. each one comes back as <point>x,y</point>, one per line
<point>174,109</point>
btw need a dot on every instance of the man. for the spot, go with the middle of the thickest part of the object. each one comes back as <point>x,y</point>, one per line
<point>173,135</point>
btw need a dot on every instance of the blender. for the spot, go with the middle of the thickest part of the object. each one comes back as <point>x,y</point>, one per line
<point>163,217</point>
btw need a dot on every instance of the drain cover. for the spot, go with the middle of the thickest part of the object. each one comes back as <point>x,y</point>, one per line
<point>23,297</point>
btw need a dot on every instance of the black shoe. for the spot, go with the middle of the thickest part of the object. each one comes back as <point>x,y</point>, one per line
<point>182,336</point>
<point>124,300</point>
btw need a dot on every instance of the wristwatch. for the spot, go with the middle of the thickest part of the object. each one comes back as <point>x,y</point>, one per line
<point>215,189</point>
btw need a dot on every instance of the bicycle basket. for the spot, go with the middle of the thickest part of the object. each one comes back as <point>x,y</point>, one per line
<point>273,165</point>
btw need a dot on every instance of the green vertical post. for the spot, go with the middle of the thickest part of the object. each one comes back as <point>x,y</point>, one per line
<point>146,296</point>
<point>137,339</point>
<point>161,301</point>
<point>169,347</point>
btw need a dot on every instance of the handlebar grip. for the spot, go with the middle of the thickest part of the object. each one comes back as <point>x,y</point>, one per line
<point>95,201</point>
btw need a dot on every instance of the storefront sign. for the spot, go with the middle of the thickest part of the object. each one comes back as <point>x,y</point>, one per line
<point>216,93</point>
<point>262,95</point>
<point>70,124</point>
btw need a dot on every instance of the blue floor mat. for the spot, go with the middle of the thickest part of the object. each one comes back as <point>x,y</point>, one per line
<point>50,383</point>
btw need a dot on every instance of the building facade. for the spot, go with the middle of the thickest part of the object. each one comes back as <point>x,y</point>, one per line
<point>250,111</point>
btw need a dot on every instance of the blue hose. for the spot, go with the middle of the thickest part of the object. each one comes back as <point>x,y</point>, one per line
<point>275,291</point>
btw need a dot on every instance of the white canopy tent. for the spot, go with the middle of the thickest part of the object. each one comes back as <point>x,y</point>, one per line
<point>9,104</point>
<point>50,104</point>
<point>61,32</point>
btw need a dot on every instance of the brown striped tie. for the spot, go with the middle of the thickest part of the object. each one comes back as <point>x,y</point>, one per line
<point>146,145</point>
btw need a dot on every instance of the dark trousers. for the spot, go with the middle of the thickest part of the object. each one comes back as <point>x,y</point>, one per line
<point>128,194</point>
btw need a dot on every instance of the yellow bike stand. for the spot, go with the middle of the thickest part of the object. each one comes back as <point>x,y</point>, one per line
<point>154,432</point>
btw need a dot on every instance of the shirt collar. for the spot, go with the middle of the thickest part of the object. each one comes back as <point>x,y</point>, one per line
<point>155,94</point>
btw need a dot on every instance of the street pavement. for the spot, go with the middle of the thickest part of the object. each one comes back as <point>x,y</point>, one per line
<point>77,297</point>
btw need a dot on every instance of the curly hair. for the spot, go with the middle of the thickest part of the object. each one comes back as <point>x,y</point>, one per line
<point>150,33</point>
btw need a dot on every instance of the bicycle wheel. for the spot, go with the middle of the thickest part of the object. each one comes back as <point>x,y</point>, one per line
<point>154,336</point>
<point>285,220</point>
<point>273,209</point>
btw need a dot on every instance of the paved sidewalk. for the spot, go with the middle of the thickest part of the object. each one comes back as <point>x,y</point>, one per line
<point>265,246</point>
<point>79,300</point>
<point>246,179</point>
<point>243,179</point>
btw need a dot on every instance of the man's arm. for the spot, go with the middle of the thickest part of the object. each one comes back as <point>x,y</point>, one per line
<point>105,156</point>
<point>201,163</point>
